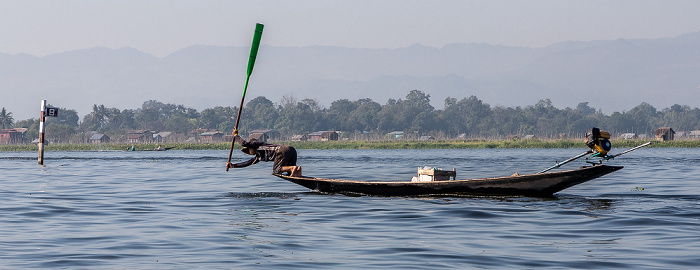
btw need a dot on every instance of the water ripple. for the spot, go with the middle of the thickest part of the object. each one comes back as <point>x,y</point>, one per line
<point>181,209</point>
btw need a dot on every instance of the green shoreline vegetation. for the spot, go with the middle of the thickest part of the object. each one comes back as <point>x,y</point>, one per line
<point>470,144</point>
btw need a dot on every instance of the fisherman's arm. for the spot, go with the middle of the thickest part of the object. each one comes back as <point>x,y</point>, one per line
<point>244,143</point>
<point>239,140</point>
<point>243,164</point>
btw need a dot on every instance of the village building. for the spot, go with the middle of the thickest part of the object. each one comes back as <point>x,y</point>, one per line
<point>228,137</point>
<point>664,134</point>
<point>299,138</point>
<point>161,137</point>
<point>694,134</point>
<point>12,136</point>
<point>139,136</point>
<point>426,138</point>
<point>395,135</point>
<point>263,135</point>
<point>157,138</point>
<point>36,142</point>
<point>212,136</point>
<point>323,136</point>
<point>680,135</point>
<point>628,136</point>
<point>98,138</point>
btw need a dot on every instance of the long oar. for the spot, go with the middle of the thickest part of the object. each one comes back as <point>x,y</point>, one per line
<point>251,63</point>
<point>567,161</point>
<point>628,150</point>
<point>590,151</point>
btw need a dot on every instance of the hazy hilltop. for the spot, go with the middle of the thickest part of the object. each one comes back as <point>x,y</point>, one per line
<point>612,75</point>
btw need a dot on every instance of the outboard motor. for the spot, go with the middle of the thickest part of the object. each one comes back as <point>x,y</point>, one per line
<point>598,141</point>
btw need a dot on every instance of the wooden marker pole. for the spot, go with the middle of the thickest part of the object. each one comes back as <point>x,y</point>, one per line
<point>42,118</point>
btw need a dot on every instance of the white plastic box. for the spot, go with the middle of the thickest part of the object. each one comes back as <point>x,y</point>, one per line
<point>428,174</point>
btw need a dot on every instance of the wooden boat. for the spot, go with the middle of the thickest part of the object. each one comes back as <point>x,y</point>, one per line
<point>540,184</point>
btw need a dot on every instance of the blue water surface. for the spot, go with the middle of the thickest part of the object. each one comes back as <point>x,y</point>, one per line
<point>181,209</point>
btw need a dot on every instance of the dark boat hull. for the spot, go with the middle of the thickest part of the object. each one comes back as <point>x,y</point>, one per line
<point>543,184</point>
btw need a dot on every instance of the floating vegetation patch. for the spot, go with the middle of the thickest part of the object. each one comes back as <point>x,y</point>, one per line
<point>464,144</point>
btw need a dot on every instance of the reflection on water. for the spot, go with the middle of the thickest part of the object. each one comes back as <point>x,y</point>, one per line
<point>238,195</point>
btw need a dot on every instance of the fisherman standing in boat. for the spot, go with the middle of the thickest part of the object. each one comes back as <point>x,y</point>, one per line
<point>284,156</point>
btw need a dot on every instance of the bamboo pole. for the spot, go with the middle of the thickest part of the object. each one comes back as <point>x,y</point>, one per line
<point>42,118</point>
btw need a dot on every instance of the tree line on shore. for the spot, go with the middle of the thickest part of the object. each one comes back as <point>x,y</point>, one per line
<point>468,117</point>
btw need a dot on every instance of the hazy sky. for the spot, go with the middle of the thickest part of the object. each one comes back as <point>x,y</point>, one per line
<point>42,27</point>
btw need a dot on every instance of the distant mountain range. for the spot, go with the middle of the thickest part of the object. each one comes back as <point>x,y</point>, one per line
<point>612,75</point>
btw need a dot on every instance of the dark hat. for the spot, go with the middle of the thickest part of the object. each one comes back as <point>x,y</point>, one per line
<point>248,150</point>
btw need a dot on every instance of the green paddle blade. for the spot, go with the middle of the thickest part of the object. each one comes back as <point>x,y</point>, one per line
<point>254,47</point>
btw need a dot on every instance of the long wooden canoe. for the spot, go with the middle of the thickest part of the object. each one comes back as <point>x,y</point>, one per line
<point>541,184</point>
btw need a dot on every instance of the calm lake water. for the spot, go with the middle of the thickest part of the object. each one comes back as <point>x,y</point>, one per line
<point>181,209</point>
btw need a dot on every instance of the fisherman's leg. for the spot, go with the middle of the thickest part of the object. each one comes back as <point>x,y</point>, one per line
<point>294,171</point>
<point>286,161</point>
<point>288,169</point>
<point>292,161</point>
